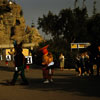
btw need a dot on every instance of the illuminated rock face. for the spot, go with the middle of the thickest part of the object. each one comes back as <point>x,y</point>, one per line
<point>33,35</point>
<point>13,27</point>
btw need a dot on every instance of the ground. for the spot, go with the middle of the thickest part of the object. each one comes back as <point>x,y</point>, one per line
<point>66,86</point>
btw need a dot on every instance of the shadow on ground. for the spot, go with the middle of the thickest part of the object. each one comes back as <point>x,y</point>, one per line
<point>84,86</point>
<point>65,82</point>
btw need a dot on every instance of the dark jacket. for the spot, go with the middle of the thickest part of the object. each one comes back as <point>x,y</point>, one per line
<point>19,59</point>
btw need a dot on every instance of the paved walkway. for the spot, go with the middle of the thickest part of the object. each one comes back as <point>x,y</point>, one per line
<point>67,86</point>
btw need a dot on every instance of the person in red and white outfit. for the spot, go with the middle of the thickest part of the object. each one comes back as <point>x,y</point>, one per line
<point>48,65</point>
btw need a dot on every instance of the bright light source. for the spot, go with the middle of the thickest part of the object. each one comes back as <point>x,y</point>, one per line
<point>10,2</point>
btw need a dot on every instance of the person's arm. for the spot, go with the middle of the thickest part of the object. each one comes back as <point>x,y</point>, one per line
<point>45,60</point>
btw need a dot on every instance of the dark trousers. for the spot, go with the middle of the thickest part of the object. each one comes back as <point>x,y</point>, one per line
<point>21,73</point>
<point>98,67</point>
<point>91,68</point>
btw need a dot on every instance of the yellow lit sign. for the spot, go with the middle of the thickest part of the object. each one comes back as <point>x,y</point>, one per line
<point>81,45</point>
<point>7,50</point>
<point>25,52</point>
<point>73,45</point>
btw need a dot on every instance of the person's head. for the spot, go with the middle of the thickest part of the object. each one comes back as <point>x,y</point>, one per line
<point>82,55</point>
<point>44,50</point>
<point>18,49</point>
<point>49,54</point>
<point>85,53</point>
<point>61,54</point>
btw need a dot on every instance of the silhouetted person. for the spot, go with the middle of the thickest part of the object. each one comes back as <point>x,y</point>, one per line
<point>19,66</point>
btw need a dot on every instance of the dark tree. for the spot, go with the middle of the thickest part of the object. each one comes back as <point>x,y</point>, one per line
<point>93,27</point>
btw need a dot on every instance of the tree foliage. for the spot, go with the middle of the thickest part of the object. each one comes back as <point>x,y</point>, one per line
<point>93,28</point>
<point>70,25</point>
<point>48,23</point>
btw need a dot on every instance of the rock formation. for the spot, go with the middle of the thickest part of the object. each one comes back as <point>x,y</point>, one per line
<point>13,27</point>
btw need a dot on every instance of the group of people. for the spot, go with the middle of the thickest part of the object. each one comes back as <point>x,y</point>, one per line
<point>85,62</point>
<point>47,64</point>
<point>82,61</point>
<point>20,65</point>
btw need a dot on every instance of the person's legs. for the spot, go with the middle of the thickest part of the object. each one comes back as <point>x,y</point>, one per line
<point>15,76</point>
<point>91,69</point>
<point>61,68</point>
<point>50,75</point>
<point>98,66</point>
<point>80,71</point>
<point>45,75</point>
<point>87,69</point>
<point>22,74</point>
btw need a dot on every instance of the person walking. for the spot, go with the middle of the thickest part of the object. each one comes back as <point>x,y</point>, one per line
<point>19,66</point>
